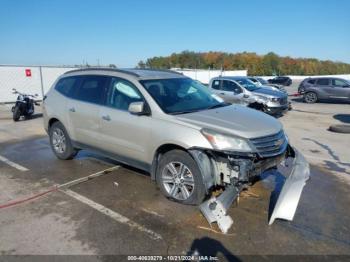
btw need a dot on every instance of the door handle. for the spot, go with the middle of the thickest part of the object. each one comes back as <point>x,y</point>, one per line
<point>107,118</point>
<point>72,109</point>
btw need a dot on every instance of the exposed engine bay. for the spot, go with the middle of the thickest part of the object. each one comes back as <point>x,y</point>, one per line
<point>236,172</point>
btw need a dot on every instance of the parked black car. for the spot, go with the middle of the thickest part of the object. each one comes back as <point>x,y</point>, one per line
<point>281,80</point>
<point>315,89</point>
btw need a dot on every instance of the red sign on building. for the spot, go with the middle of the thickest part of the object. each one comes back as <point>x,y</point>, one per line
<point>28,73</point>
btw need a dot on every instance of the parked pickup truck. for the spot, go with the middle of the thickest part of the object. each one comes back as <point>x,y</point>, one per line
<point>240,90</point>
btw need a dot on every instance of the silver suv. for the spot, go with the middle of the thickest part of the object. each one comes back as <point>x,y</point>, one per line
<point>173,127</point>
<point>315,89</point>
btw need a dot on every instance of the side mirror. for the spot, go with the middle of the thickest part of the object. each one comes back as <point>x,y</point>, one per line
<point>138,108</point>
<point>346,86</point>
<point>245,96</point>
<point>237,91</point>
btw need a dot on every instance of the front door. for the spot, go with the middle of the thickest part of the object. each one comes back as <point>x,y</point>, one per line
<point>122,133</point>
<point>232,92</point>
<point>341,89</point>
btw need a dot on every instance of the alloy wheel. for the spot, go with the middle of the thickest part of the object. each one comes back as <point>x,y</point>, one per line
<point>178,180</point>
<point>311,97</point>
<point>59,141</point>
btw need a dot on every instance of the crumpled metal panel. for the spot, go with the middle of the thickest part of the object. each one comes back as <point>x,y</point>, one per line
<point>215,209</point>
<point>289,196</point>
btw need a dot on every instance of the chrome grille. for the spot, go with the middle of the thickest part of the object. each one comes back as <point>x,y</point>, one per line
<point>271,145</point>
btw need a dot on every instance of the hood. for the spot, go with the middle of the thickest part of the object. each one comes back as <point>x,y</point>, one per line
<point>275,88</point>
<point>270,87</point>
<point>235,120</point>
<point>268,92</point>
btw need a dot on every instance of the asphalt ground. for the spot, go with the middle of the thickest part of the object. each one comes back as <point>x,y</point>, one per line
<point>124,213</point>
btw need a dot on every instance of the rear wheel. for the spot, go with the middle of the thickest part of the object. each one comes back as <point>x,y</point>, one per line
<point>310,97</point>
<point>60,142</point>
<point>16,114</point>
<point>180,179</point>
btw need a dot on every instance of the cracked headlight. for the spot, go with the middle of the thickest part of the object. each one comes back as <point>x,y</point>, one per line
<point>226,142</point>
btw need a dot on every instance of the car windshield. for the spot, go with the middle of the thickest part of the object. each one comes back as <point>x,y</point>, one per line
<point>253,80</point>
<point>181,95</point>
<point>247,84</point>
<point>263,81</point>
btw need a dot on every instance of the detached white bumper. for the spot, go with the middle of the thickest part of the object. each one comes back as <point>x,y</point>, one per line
<point>288,199</point>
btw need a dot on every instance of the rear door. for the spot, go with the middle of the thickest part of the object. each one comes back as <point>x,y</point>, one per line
<point>341,89</point>
<point>324,88</point>
<point>122,133</point>
<point>83,109</point>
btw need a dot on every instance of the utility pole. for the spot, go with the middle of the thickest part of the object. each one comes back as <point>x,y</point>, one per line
<point>41,82</point>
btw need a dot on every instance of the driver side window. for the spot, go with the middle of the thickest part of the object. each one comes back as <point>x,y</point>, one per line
<point>230,86</point>
<point>122,93</point>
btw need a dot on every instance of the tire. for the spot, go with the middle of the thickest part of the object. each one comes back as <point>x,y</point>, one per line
<point>60,142</point>
<point>340,129</point>
<point>310,97</point>
<point>185,187</point>
<point>16,114</point>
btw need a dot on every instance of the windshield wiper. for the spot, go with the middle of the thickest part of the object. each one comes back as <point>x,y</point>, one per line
<point>184,112</point>
<point>199,109</point>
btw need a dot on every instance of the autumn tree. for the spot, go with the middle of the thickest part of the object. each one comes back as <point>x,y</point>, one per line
<point>268,64</point>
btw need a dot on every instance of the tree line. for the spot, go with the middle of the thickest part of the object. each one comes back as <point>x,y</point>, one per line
<point>269,64</point>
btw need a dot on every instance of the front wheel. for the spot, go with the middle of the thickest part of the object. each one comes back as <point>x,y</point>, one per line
<point>180,179</point>
<point>310,97</point>
<point>60,142</point>
<point>16,113</point>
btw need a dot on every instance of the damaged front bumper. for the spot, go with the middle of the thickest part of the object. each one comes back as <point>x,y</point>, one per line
<point>216,208</point>
<point>289,196</point>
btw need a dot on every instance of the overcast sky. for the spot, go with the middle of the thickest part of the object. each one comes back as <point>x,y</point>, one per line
<point>124,32</point>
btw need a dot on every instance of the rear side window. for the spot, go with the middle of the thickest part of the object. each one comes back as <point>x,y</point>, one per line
<point>311,81</point>
<point>66,85</point>
<point>323,82</point>
<point>92,89</point>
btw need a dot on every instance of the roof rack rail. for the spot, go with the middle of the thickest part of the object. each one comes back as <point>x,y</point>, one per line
<point>103,69</point>
<point>161,70</point>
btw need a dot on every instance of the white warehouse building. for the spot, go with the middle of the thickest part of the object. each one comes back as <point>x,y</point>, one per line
<point>27,79</point>
<point>39,79</point>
